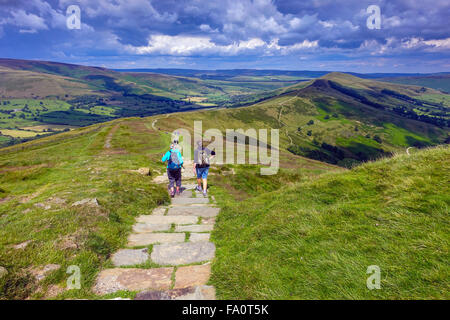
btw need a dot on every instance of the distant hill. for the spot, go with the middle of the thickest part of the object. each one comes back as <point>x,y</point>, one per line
<point>230,73</point>
<point>337,118</point>
<point>439,82</point>
<point>41,97</point>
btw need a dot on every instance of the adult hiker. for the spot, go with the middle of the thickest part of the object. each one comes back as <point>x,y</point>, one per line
<point>202,160</point>
<point>174,164</point>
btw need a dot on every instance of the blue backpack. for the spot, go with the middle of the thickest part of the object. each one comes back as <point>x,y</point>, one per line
<point>175,159</point>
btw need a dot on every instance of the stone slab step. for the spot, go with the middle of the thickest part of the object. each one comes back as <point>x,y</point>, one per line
<point>150,227</point>
<point>198,237</point>
<point>129,257</point>
<point>193,211</point>
<point>159,211</point>
<point>145,239</point>
<point>190,276</point>
<point>194,228</point>
<point>190,186</point>
<point>182,253</point>
<point>112,280</point>
<point>189,293</point>
<point>185,194</point>
<point>177,201</point>
<point>167,219</point>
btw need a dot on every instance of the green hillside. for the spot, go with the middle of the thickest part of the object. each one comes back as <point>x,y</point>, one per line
<point>315,239</point>
<point>56,96</point>
<point>438,82</point>
<point>318,121</point>
<point>41,180</point>
<point>307,232</point>
<point>338,118</point>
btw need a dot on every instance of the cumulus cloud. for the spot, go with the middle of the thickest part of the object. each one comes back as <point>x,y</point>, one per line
<point>182,45</point>
<point>234,28</point>
<point>26,22</point>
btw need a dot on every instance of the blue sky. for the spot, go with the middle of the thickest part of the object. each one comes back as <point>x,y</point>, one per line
<point>414,36</point>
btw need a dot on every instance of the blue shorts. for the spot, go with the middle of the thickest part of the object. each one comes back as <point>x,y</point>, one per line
<point>202,172</point>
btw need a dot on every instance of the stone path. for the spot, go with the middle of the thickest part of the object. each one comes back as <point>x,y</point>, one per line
<point>169,253</point>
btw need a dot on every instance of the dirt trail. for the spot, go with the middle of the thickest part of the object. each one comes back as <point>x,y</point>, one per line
<point>281,105</point>
<point>109,137</point>
<point>154,122</point>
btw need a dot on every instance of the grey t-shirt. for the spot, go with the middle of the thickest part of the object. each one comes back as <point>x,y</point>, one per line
<point>197,158</point>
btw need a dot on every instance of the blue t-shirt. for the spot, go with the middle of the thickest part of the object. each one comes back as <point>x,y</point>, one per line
<point>170,164</point>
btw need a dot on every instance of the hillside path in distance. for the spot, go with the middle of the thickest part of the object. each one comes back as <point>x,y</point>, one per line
<point>168,255</point>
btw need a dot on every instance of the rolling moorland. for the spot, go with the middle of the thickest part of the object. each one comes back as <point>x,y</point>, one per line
<point>337,118</point>
<point>308,232</point>
<point>39,98</point>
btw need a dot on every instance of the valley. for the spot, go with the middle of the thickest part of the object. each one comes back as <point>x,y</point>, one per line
<point>333,117</point>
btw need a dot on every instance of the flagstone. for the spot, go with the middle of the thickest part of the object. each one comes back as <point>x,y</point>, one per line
<point>192,276</point>
<point>190,293</point>
<point>144,239</point>
<point>197,237</point>
<point>167,219</point>
<point>150,227</point>
<point>159,211</point>
<point>193,211</point>
<point>189,200</point>
<point>194,228</point>
<point>132,279</point>
<point>129,257</point>
<point>182,253</point>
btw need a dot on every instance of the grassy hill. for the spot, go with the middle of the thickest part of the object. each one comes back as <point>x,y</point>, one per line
<point>309,231</point>
<point>343,126</point>
<point>439,82</point>
<point>315,239</point>
<point>338,118</point>
<point>42,179</point>
<point>41,93</point>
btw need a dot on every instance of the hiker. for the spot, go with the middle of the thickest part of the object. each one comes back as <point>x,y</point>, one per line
<point>174,164</point>
<point>202,160</point>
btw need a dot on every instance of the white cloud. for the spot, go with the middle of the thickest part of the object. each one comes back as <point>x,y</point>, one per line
<point>122,12</point>
<point>28,22</point>
<point>430,45</point>
<point>194,45</point>
<point>442,43</point>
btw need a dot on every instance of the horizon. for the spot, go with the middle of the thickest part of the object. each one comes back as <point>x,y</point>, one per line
<point>360,37</point>
<point>231,69</point>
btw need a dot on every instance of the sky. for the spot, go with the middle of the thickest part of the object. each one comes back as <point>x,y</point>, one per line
<point>412,36</point>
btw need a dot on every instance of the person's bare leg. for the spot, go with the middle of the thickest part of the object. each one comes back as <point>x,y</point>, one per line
<point>199,184</point>
<point>205,185</point>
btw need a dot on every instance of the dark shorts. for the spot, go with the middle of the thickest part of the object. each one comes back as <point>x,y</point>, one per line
<point>174,177</point>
